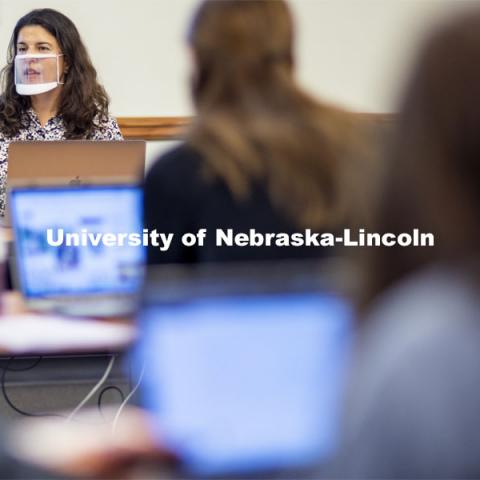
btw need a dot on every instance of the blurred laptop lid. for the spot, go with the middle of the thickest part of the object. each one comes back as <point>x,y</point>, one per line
<point>75,162</point>
<point>243,365</point>
<point>62,277</point>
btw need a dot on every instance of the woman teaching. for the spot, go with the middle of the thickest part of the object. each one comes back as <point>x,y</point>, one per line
<point>50,89</point>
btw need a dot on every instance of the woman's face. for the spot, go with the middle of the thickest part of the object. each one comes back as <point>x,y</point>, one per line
<point>32,40</point>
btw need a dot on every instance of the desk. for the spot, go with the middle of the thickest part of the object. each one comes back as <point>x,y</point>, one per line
<point>57,383</point>
<point>59,380</point>
<point>37,383</point>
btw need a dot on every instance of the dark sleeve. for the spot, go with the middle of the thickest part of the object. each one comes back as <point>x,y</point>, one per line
<point>171,191</point>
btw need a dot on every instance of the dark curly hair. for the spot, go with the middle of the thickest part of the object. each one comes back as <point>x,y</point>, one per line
<point>83,101</point>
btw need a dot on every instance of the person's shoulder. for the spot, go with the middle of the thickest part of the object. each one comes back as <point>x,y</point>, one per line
<point>106,128</point>
<point>104,120</point>
<point>428,321</point>
<point>26,119</point>
<point>415,373</point>
<point>183,161</point>
<point>176,175</point>
<point>427,298</point>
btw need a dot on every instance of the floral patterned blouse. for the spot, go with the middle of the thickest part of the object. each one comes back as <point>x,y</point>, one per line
<point>53,130</point>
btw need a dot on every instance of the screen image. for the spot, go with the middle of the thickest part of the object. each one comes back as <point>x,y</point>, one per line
<point>46,270</point>
<point>248,383</point>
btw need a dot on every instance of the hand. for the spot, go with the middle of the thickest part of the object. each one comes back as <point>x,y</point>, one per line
<point>87,448</point>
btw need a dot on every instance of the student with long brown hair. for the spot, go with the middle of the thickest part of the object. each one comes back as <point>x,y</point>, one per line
<point>50,89</point>
<point>261,153</point>
<point>413,406</point>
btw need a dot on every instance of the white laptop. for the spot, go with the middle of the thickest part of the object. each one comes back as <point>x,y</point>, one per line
<point>89,278</point>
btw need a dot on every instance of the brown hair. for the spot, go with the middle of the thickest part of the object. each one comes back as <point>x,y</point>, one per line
<point>83,100</point>
<point>432,175</point>
<point>254,121</point>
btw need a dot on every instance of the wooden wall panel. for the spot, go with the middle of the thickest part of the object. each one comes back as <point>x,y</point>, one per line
<point>172,128</point>
<point>153,128</point>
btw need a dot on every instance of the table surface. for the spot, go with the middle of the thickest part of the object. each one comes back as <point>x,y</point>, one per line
<point>12,304</point>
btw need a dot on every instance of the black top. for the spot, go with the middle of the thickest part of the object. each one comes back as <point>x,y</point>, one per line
<point>179,199</point>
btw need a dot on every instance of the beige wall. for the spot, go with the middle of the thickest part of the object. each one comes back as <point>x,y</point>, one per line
<point>353,52</point>
<point>350,51</point>
<point>357,52</point>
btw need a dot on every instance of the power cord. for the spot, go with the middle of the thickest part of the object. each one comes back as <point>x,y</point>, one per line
<point>105,390</point>
<point>24,369</point>
<point>127,399</point>
<point>7,398</point>
<point>93,390</point>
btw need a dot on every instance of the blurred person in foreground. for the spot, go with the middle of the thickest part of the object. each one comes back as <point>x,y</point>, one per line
<point>262,154</point>
<point>413,408</point>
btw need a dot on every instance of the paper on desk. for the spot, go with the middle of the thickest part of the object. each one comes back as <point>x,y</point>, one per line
<point>50,334</point>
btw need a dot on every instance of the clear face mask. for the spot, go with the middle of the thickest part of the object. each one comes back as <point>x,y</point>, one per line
<point>37,73</point>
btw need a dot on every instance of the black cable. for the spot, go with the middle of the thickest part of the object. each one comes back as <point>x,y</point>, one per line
<point>34,364</point>
<point>7,398</point>
<point>106,389</point>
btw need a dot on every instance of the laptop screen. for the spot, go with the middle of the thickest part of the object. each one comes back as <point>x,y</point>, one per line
<point>73,261</point>
<point>243,383</point>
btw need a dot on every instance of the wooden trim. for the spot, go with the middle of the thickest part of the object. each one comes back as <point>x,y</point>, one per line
<point>153,128</point>
<point>377,117</point>
<point>173,128</point>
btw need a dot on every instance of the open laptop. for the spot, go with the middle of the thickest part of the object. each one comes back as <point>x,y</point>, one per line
<point>64,273</point>
<point>73,162</point>
<point>243,366</point>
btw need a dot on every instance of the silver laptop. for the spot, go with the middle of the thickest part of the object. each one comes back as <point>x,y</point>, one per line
<point>73,162</point>
<point>61,261</point>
